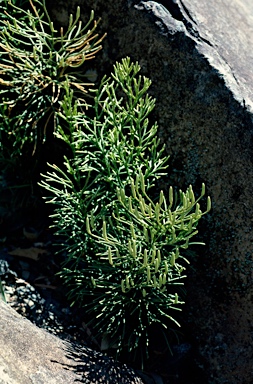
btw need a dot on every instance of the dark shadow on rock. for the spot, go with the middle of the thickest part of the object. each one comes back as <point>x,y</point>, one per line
<point>95,367</point>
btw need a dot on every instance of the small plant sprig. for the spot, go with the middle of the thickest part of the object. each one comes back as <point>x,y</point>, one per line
<point>119,139</point>
<point>126,249</point>
<point>36,63</point>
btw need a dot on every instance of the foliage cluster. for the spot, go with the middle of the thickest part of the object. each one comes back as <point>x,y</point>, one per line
<point>37,64</point>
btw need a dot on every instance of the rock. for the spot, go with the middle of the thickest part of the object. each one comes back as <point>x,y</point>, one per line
<point>199,55</point>
<point>29,354</point>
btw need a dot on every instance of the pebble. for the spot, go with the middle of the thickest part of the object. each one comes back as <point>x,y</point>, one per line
<point>9,290</point>
<point>28,301</point>
<point>4,267</point>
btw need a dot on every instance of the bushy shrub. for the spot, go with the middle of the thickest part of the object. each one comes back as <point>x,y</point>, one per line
<point>126,243</point>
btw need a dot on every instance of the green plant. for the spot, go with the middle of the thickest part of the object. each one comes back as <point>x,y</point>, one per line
<point>36,63</point>
<point>126,243</point>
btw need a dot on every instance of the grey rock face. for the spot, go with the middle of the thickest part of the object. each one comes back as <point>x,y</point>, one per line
<point>199,55</point>
<point>30,355</point>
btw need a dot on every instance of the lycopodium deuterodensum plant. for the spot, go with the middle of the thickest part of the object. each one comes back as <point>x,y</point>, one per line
<point>125,243</point>
<point>36,63</point>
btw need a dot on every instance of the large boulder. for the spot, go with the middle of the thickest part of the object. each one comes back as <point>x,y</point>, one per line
<point>199,55</point>
<point>29,354</point>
